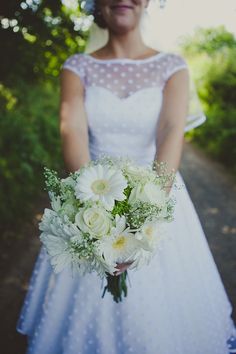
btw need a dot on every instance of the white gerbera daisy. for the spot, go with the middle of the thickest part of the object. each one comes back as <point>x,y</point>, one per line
<point>57,248</point>
<point>120,246</point>
<point>151,234</point>
<point>56,234</point>
<point>101,183</point>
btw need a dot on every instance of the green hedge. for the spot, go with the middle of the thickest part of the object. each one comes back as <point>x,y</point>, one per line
<point>216,84</point>
<point>29,140</point>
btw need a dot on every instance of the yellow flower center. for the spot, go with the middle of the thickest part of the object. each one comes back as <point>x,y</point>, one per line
<point>100,186</point>
<point>119,243</point>
<point>148,231</point>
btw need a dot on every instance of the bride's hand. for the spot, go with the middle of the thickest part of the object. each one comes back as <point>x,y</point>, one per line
<point>122,267</point>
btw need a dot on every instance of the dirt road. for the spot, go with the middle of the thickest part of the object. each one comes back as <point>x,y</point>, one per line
<point>213,192</point>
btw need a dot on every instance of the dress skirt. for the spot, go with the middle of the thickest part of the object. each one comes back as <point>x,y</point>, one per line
<point>177,304</point>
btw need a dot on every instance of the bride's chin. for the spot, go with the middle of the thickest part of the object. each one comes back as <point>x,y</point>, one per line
<point>122,26</point>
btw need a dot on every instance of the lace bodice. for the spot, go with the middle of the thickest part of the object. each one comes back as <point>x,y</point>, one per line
<point>123,98</point>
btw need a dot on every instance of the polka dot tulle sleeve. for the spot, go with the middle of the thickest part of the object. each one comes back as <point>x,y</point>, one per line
<point>76,64</point>
<point>175,62</point>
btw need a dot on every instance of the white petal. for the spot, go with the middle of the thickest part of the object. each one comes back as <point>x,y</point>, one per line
<point>60,262</point>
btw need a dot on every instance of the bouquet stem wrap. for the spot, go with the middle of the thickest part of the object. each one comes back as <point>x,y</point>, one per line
<point>116,286</point>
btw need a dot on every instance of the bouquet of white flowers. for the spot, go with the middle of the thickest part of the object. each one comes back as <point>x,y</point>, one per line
<point>108,212</point>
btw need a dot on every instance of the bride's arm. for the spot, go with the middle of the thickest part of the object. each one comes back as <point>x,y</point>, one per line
<point>73,122</point>
<point>171,123</point>
<point>170,130</point>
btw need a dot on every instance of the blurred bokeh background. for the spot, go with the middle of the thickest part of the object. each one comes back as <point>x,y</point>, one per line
<point>36,37</point>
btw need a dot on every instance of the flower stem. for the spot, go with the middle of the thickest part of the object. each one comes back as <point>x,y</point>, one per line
<point>116,285</point>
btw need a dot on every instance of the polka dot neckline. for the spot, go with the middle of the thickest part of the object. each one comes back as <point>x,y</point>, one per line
<point>124,76</point>
<point>128,60</point>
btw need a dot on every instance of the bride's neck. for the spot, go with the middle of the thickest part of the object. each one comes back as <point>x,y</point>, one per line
<point>128,45</point>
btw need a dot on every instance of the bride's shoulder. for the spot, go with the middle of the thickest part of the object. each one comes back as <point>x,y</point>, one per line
<point>75,59</point>
<point>172,63</point>
<point>175,58</point>
<point>76,63</point>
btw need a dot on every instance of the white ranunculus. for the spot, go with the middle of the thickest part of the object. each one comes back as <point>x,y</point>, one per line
<point>101,183</point>
<point>95,220</point>
<point>150,192</point>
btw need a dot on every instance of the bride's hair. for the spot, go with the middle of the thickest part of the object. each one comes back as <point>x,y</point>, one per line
<point>98,18</point>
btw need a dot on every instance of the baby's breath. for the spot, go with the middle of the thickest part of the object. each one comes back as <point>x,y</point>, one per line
<point>165,178</point>
<point>52,181</point>
<point>83,249</point>
<point>140,212</point>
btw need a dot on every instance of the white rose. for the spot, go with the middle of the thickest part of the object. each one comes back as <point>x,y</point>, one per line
<point>135,172</point>
<point>95,220</point>
<point>150,192</point>
<point>153,194</point>
<point>139,173</point>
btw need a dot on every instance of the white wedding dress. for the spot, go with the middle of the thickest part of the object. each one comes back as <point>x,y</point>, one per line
<point>178,303</point>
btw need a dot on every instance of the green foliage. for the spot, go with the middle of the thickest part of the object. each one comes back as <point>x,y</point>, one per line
<point>30,141</point>
<point>122,207</point>
<point>208,40</point>
<point>211,54</point>
<point>37,35</point>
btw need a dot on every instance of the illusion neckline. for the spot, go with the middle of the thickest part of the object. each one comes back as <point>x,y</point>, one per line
<point>128,60</point>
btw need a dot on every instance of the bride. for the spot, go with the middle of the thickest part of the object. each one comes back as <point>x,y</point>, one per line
<point>127,99</point>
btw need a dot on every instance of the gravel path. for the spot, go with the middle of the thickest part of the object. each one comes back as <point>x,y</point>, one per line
<point>213,193</point>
